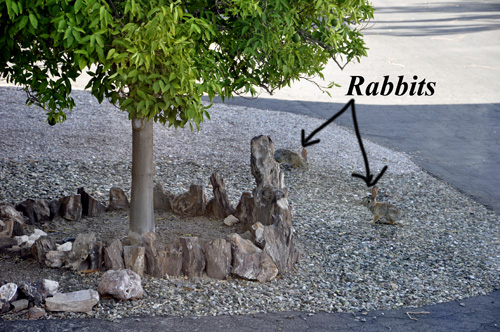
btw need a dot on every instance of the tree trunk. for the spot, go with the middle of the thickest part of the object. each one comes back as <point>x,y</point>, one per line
<point>143,170</point>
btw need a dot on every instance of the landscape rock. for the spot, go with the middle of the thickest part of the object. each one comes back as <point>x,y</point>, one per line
<point>230,220</point>
<point>219,207</point>
<point>113,256</point>
<point>193,257</point>
<point>50,286</point>
<point>67,246</point>
<point>41,247</point>
<point>6,242</point>
<point>277,241</point>
<point>134,258</point>
<point>13,220</point>
<point>79,301</point>
<point>218,256</point>
<point>173,256</point>
<point>55,258</point>
<point>121,284</point>
<point>36,235</point>
<point>249,261</point>
<point>4,306</point>
<point>161,197</point>
<point>33,291</point>
<point>118,199</point>
<point>192,203</point>
<point>244,210</point>
<point>86,253</point>
<point>8,292</point>
<point>20,305</point>
<point>36,313</point>
<point>71,207</point>
<point>54,208</point>
<point>35,211</point>
<point>265,169</point>
<point>90,206</point>
<point>21,239</point>
<point>9,212</point>
<point>156,260</point>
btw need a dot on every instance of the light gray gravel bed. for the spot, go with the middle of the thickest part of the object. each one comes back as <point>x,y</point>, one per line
<point>446,246</point>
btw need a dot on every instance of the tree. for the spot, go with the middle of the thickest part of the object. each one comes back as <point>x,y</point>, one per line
<point>155,59</point>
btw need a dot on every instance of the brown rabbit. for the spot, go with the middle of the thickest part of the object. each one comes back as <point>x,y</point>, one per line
<point>380,210</point>
<point>291,159</point>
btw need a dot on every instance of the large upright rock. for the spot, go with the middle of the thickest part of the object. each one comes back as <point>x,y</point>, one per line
<point>118,199</point>
<point>249,261</point>
<point>156,259</point>
<point>190,204</point>
<point>42,246</point>
<point>135,259</point>
<point>218,255</point>
<point>193,257</point>
<point>161,197</point>
<point>219,206</point>
<point>113,256</point>
<point>173,256</point>
<point>265,169</point>
<point>90,206</point>
<point>79,301</point>
<point>71,207</point>
<point>16,227</point>
<point>35,211</point>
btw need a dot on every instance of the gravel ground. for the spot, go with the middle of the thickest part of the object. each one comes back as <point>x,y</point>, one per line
<point>446,246</point>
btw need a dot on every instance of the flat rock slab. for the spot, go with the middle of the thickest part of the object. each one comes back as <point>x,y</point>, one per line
<point>79,301</point>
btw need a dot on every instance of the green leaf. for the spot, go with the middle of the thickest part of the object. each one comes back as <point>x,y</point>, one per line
<point>33,20</point>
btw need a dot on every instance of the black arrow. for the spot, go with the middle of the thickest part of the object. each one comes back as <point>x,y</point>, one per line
<point>369,177</point>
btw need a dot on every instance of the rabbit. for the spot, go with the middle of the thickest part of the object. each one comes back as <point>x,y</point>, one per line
<point>290,158</point>
<point>381,210</point>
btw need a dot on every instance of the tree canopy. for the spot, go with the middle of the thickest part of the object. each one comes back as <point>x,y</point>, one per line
<point>155,59</point>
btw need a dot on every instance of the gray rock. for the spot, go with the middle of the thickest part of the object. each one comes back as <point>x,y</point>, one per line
<point>33,291</point>
<point>9,212</point>
<point>20,305</point>
<point>42,246</point>
<point>230,220</point>
<point>161,197</point>
<point>55,258</point>
<point>35,211</point>
<point>50,286</point>
<point>156,259</point>
<point>122,285</point>
<point>173,255</point>
<point>218,256</point>
<point>244,210</point>
<point>118,199</point>
<point>219,206</point>
<point>193,257</point>
<point>192,203</point>
<point>54,208</point>
<point>265,169</point>
<point>249,261</point>
<point>79,301</point>
<point>36,313</point>
<point>86,253</point>
<point>6,242</point>
<point>8,292</point>
<point>113,256</point>
<point>134,258</point>
<point>71,207</point>
<point>90,206</point>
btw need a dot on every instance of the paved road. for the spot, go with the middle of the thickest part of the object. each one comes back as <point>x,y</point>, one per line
<point>453,134</point>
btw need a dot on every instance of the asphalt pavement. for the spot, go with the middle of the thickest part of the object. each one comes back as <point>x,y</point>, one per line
<point>453,134</point>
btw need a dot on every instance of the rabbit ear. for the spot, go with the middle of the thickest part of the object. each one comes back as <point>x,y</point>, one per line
<point>304,154</point>
<point>374,192</point>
